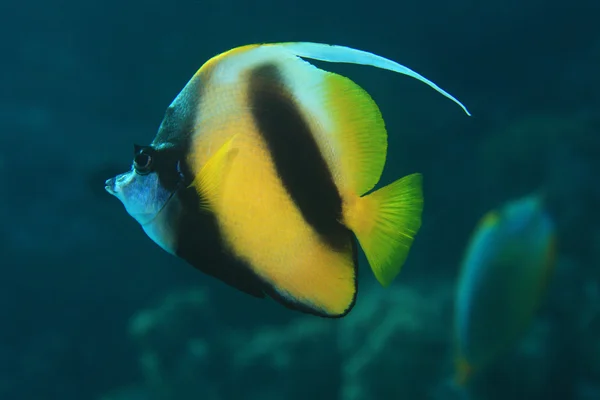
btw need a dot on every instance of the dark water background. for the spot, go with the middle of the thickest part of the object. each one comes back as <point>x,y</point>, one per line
<point>82,81</point>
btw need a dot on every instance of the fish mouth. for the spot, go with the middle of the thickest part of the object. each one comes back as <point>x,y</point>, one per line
<point>109,186</point>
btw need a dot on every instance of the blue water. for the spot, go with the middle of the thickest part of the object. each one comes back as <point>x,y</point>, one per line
<point>92,308</point>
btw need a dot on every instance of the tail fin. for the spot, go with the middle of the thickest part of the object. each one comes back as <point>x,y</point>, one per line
<point>385,223</point>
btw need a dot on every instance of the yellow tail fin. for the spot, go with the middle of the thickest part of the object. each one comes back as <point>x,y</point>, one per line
<point>385,223</point>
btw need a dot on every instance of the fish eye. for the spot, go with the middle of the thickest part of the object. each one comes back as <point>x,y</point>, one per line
<point>142,162</point>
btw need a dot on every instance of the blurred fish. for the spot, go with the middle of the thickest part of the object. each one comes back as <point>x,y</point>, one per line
<point>258,174</point>
<point>506,270</point>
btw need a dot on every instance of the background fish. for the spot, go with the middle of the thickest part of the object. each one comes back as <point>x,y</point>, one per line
<point>259,173</point>
<point>504,276</point>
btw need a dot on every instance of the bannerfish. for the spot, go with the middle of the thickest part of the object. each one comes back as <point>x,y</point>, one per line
<point>503,279</point>
<point>258,174</point>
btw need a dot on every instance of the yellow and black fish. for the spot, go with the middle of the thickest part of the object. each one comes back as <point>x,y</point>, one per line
<point>258,175</point>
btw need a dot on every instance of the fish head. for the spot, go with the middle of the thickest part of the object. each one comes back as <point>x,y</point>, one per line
<point>143,189</point>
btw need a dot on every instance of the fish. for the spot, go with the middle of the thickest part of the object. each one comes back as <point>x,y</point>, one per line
<point>261,176</point>
<point>504,276</point>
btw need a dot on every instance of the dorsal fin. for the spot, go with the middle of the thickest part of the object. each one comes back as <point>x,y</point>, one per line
<point>343,54</point>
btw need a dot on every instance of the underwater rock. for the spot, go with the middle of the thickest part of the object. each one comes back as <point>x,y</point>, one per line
<point>395,343</point>
<point>297,361</point>
<point>392,344</point>
<point>186,353</point>
<point>182,358</point>
<point>170,335</point>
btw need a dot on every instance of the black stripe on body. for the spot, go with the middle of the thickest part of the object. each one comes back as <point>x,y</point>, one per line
<point>296,155</point>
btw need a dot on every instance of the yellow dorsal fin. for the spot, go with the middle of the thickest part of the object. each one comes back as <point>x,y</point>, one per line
<point>385,223</point>
<point>358,131</point>
<point>208,181</point>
